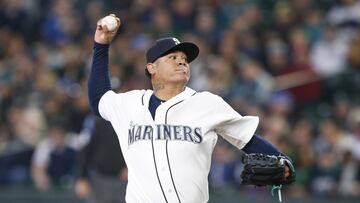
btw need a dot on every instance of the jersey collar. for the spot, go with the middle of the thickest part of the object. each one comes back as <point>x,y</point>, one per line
<point>188,92</point>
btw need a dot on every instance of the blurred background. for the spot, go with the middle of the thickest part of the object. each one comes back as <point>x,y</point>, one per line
<point>293,63</point>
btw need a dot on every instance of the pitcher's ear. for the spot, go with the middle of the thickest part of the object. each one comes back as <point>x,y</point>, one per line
<point>150,68</point>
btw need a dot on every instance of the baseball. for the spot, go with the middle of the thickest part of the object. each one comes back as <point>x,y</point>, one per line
<point>110,22</point>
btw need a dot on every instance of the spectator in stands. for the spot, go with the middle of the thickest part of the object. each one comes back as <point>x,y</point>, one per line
<point>101,169</point>
<point>222,172</point>
<point>325,174</point>
<point>328,56</point>
<point>346,14</point>
<point>54,159</point>
<point>252,85</point>
<point>303,155</point>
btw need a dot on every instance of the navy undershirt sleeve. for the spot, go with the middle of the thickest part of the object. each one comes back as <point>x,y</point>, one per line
<point>99,80</point>
<point>258,144</point>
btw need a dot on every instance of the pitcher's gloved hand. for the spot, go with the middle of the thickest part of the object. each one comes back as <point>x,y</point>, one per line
<point>262,170</point>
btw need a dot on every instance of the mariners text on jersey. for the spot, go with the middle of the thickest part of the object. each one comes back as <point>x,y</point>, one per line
<point>164,132</point>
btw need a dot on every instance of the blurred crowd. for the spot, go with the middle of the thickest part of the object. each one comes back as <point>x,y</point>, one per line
<point>293,63</point>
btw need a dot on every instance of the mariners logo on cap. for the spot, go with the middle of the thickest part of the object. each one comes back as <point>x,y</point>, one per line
<point>176,41</point>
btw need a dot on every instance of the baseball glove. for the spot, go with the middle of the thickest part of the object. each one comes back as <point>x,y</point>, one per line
<point>262,170</point>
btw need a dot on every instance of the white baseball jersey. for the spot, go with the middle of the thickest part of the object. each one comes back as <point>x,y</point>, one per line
<point>169,157</point>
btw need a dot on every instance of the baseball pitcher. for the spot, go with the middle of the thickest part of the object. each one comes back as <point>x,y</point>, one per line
<point>167,134</point>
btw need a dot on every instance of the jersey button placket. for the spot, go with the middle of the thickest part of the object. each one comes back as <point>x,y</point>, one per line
<point>161,159</point>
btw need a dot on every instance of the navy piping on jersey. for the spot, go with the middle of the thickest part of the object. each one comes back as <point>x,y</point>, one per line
<point>157,173</point>
<point>142,99</point>
<point>154,102</point>
<point>167,153</point>
<point>153,151</point>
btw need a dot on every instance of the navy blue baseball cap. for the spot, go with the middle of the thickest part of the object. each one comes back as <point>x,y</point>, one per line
<point>168,45</point>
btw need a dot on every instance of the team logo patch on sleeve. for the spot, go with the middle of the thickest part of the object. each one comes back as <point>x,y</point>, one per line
<point>164,132</point>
